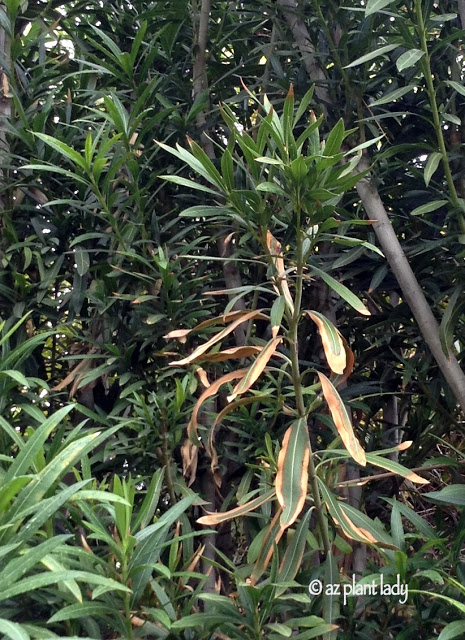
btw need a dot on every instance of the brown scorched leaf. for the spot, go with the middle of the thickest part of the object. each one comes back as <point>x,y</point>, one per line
<point>256,369</point>
<point>333,345</point>
<point>342,421</point>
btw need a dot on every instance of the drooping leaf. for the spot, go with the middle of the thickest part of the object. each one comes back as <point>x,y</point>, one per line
<point>208,393</point>
<point>256,369</point>
<point>332,342</point>
<point>250,315</point>
<point>217,518</point>
<point>342,420</point>
<point>281,286</point>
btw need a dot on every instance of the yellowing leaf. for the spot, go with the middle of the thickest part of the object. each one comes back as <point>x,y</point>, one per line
<point>255,370</point>
<point>333,345</point>
<point>395,467</point>
<point>179,334</point>
<point>274,247</point>
<point>208,393</point>
<point>229,354</point>
<point>217,518</point>
<point>292,476</point>
<point>342,421</point>
<point>216,338</point>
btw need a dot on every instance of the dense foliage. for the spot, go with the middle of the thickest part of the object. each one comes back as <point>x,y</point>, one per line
<point>232,331</point>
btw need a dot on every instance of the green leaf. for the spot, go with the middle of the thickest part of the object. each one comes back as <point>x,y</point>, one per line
<point>431,165</point>
<point>373,54</point>
<point>292,475</point>
<point>393,95</point>
<point>335,138</point>
<point>373,6</point>
<point>342,291</point>
<point>267,160</point>
<point>17,376</point>
<point>82,610</point>
<point>454,494</point>
<point>188,183</point>
<point>13,630</point>
<point>82,259</point>
<point>409,59</point>
<point>64,149</point>
<point>428,207</point>
<point>331,601</point>
<point>418,522</point>
<point>455,603</point>
<point>293,555</point>
<point>45,579</point>
<point>453,630</point>
<point>456,86</point>
<point>52,169</point>
<point>450,320</point>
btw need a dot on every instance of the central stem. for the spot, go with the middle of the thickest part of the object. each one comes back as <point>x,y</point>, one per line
<point>293,338</point>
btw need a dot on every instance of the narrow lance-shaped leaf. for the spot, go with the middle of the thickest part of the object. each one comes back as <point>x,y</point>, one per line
<point>216,338</point>
<point>272,537</point>
<point>342,291</point>
<point>409,59</point>
<point>431,166</point>
<point>332,342</point>
<point>395,467</point>
<point>255,370</point>
<point>342,421</point>
<point>274,247</point>
<point>293,555</point>
<point>217,518</point>
<point>450,320</point>
<point>292,476</point>
<point>208,393</point>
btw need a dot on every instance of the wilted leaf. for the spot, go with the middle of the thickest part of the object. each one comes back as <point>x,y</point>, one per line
<point>216,338</point>
<point>342,421</point>
<point>274,247</point>
<point>256,369</point>
<point>332,342</point>
<point>217,518</point>
<point>208,393</point>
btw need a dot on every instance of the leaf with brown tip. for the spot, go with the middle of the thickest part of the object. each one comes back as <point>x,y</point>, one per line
<point>217,518</point>
<point>333,345</point>
<point>256,369</point>
<point>274,247</point>
<point>341,420</point>
<point>216,338</point>
<point>208,393</point>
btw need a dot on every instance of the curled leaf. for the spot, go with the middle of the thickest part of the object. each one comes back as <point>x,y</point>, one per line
<point>255,370</point>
